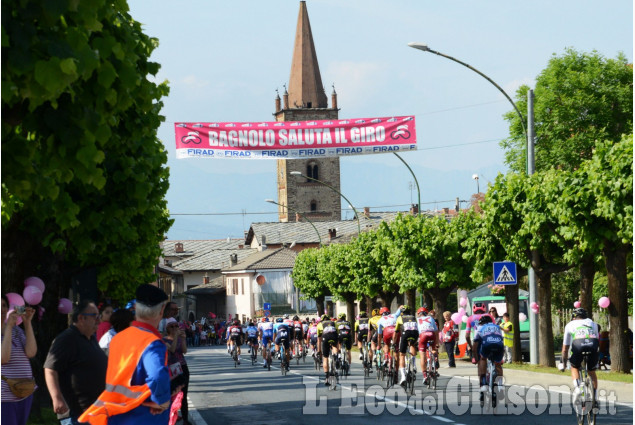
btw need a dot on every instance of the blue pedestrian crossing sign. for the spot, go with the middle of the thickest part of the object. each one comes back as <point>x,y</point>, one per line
<point>505,273</point>
<point>266,306</point>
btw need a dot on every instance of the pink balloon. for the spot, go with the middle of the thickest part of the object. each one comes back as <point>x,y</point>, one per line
<point>535,310</point>
<point>32,295</point>
<point>576,304</point>
<point>464,319</point>
<point>463,293</point>
<point>456,318</point>
<point>34,281</point>
<point>522,317</point>
<point>17,321</point>
<point>15,299</point>
<point>533,305</point>
<point>463,302</point>
<point>461,311</point>
<point>604,302</point>
<point>65,306</point>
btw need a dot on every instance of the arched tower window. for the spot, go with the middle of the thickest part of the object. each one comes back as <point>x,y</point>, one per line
<point>312,170</point>
<point>313,206</point>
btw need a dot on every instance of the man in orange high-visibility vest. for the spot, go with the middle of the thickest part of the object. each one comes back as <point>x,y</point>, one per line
<point>137,381</point>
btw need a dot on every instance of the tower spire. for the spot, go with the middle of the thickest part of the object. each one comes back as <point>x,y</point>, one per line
<point>305,83</point>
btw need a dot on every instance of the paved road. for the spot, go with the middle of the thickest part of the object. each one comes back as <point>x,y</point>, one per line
<point>222,394</point>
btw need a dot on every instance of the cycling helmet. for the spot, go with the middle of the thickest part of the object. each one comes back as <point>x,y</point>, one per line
<point>296,318</point>
<point>342,316</point>
<point>325,317</point>
<point>363,314</point>
<point>263,320</point>
<point>375,312</point>
<point>286,316</point>
<point>384,311</point>
<point>251,324</point>
<point>279,320</point>
<point>579,312</point>
<point>422,310</point>
<point>479,308</point>
<point>486,318</point>
<point>406,309</point>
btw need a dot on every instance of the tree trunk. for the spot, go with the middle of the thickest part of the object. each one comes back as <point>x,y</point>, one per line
<point>411,299</point>
<point>545,327</point>
<point>400,299</point>
<point>587,274</point>
<point>319,302</point>
<point>350,307</point>
<point>385,298</point>
<point>513,309</point>
<point>440,299</point>
<point>427,299</point>
<point>615,260</point>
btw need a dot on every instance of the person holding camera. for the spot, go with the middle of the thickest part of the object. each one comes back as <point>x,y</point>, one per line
<point>18,346</point>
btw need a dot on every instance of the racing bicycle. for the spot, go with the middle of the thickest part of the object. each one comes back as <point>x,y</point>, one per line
<point>332,375</point>
<point>431,367</point>
<point>391,369</point>
<point>492,386</point>
<point>411,368</point>
<point>368,367</point>
<point>585,404</point>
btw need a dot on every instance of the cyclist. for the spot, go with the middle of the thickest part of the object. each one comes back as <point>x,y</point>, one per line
<point>581,335</point>
<point>265,329</point>
<point>288,321</point>
<point>427,327</point>
<point>344,335</point>
<point>311,336</point>
<point>372,323</point>
<point>478,310</point>
<point>252,336</point>
<point>235,332</point>
<point>361,332</point>
<point>327,334</point>
<point>298,334</point>
<point>386,330</point>
<point>281,336</point>
<point>408,324</point>
<point>488,343</point>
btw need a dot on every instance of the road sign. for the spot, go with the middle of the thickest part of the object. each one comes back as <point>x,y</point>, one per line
<point>266,306</point>
<point>505,273</point>
<point>267,313</point>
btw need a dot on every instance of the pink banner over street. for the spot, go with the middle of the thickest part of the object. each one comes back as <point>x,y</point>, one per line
<point>295,139</point>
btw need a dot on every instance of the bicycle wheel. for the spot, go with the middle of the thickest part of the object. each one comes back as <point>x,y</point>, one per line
<point>283,368</point>
<point>590,401</point>
<point>297,352</point>
<point>433,376</point>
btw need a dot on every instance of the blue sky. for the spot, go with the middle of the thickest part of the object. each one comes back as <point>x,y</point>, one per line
<point>225,59</point>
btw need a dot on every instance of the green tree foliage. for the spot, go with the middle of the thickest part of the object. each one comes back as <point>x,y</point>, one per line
<point>306,278</point>
<point>428,253</point>
<point>580,98</point>
<point>610,180</point>
<point>83,173</point>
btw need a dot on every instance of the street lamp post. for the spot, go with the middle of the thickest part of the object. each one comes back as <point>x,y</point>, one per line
<point>297,173</point>
<point>271,201</point>
<point>416,182</point>
<point>425,48</point>
<point>478,189</point>
<point>529,163</point>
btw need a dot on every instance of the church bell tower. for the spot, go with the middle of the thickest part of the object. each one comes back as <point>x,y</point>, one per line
<point>305,100</point>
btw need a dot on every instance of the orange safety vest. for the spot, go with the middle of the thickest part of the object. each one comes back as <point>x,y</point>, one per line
<point>120,396</point>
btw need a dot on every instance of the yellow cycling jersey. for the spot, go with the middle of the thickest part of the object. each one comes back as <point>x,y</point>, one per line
<point>327,326</point>
<point>410,320</point>
<point>373,322</point>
